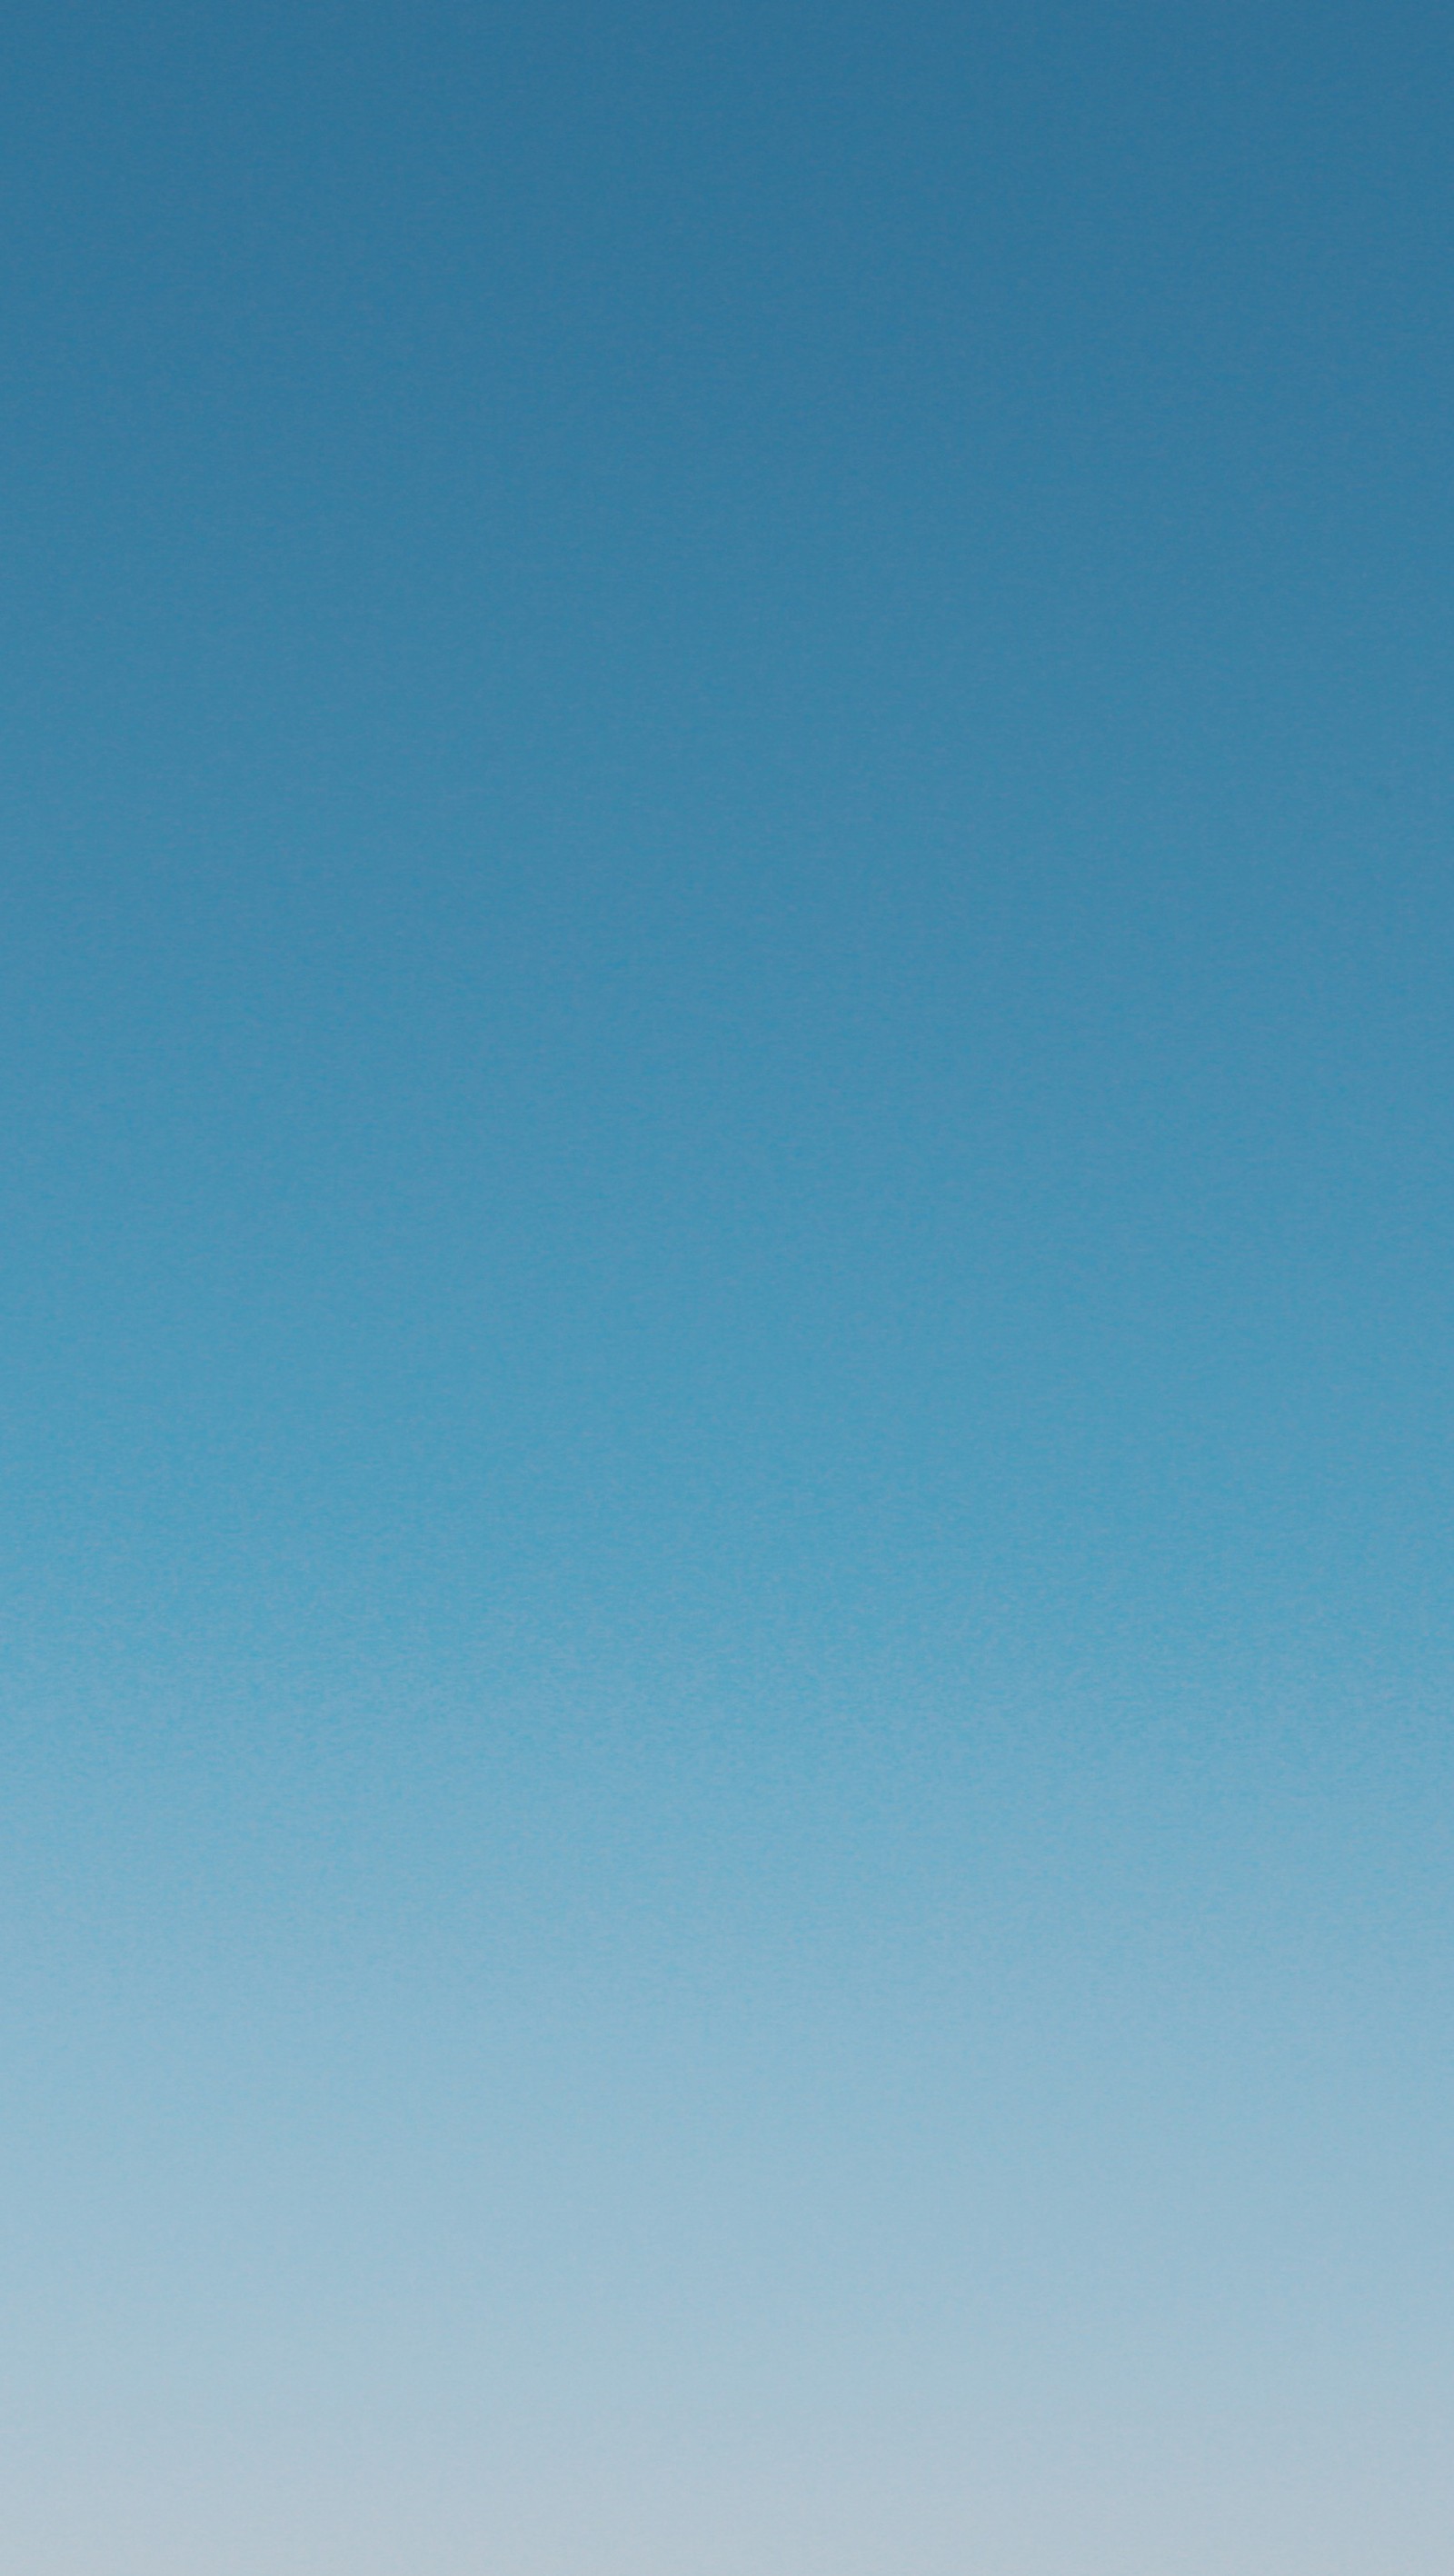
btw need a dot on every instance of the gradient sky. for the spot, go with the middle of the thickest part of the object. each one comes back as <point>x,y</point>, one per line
<point>728,1035</point>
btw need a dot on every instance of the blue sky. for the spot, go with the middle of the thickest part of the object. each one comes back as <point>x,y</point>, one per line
<point>726,1291</point>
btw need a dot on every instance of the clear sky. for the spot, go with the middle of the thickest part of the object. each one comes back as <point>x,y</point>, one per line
<point>727,1033</point>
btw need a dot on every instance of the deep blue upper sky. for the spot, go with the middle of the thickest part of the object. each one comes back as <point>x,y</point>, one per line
<point>727,1026</point>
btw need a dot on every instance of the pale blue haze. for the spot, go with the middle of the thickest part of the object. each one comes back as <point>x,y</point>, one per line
<point>727,1034</point>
